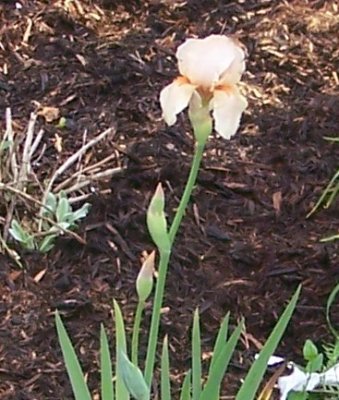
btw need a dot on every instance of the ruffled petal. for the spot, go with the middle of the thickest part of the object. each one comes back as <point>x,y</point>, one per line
<point>174,98</point>
<point>228,105</point>
<point>205,61</point>
<point>232,74</point>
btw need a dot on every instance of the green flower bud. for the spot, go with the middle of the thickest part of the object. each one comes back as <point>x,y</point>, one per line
<point>133,378</point>
<point>144,283</point>
<point>156,220</point>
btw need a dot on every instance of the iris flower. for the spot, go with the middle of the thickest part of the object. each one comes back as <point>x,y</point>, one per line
<point>210,70</point>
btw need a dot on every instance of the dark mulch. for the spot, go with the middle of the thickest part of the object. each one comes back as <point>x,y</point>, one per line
<point>245,244</point>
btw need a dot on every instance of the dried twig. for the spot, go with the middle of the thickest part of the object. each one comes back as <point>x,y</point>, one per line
<point>73,158</point>
<point>13,164</point>
<point>100,175</point>
<point>36,142</point>
<point>92,167</point>
<point>85,196</point>
<point>20,173</point>
<point>25,165</point>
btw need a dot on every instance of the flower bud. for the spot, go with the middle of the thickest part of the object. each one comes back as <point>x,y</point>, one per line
<point>144,283</point>
<point>156,220</point>
<point>133,379</point>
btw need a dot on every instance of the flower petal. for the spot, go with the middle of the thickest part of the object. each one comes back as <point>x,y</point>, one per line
<point>228,105</point>
<point>174,98</point>
<point>205,61</point>
<point>233,73</point>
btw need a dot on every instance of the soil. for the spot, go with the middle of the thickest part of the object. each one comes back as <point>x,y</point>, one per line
<point>245,244</point>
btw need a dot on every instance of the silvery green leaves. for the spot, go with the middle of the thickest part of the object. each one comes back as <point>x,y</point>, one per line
<point>59,209</point>
<point>156,221</point>
<point>58,216</point>
<point>21,235</point>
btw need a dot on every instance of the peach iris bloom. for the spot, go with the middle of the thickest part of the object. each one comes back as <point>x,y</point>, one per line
<point>210,69</point>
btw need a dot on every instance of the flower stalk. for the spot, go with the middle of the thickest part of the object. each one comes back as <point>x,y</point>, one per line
<point>212,87</point>
<point>199,151</point>
<point>165,257</point>
<point>155,321</point>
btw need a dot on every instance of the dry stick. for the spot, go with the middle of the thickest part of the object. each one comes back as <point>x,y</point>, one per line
<point>104,174</point>
<point>4,186</point>
<point>70,161</point>
<point>25,167</point>
<point>84,139</point>
<point>85,196</point>
<point>66,231</point>
<point>11,165</point>
<point>79,166</point>
<point>64,183</point>
<point>12,253</point>
<point>36,142</point>
<point>42,152</point>
<point>11,150</point>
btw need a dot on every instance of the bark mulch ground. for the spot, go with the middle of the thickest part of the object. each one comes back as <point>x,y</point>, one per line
<point>245,244</point>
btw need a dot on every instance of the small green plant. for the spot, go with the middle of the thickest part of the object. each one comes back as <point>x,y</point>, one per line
<point>58,217</point>
<point>212,87</point>
<point>35,212</point>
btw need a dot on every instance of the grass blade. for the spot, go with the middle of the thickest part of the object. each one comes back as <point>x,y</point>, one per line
<point>165,374</point>
<point>107,387</point>
<point>220,340</point>
<point>186,387</point>
<point>121,391</point>
<point>73,367</point>
<point>330,301</point>
<point>218,370</point>
<point>252,381</point>
<point>324,194</point>
<point>196,357</point>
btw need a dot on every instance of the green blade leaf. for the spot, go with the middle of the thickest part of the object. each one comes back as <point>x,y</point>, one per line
<point>121,391</point>
<point>165,374</point>
<point>73,367</point>
<point>252,381</point>
<point>18,232</point>
<point>217,372</point>
<point>196,357</point>
<point>330,301</point>
<point>186,387</point>
<point>220,340</point>
<point>62,210</point>
<point>47,243</point>
<point>51,204</point>
<point>322,199</point>
<point>107,387</point>
<point>80,213</point>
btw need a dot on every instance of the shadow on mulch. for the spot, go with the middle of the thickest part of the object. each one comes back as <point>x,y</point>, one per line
<point>245,243</point>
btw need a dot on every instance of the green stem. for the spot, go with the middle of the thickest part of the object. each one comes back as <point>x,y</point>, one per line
<point>163,264</point>
<point>136,330</point>
<point>153,336</point>
<point>199,150</point>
